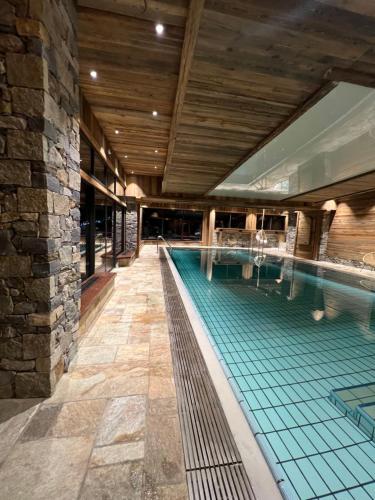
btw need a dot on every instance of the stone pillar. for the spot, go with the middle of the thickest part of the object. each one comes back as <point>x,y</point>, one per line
<point>323,244</point>
<point>131,224</point>
<point>291,232</point>
<point>39,194</point>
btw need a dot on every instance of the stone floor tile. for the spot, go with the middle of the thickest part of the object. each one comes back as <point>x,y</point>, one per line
<point>114,482</point>
<point>117,453</point>
<point>45,469</point>
<point>163,454</point>
<point>77,418</point>
<point>101,381</point>
<point>161,387</point>
<point>172,492</point>
<point>163,407</point>
<point>41,423</point>
<point>93,356</point>
<point>105,339</point>
<point>15,415</point>
<point>112,330</point>
<point>133,355</point>
<point>123,421</point>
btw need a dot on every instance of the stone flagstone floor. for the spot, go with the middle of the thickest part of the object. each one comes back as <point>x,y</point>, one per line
<point>111,430</point>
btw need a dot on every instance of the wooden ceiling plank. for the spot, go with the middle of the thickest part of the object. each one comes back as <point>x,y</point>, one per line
<point>190,40</point>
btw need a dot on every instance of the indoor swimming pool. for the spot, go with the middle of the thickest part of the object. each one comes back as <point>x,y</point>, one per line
<point>297,343</point>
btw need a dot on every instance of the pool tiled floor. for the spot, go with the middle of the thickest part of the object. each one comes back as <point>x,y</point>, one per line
<point>111,430</point>
<point>284,345</point>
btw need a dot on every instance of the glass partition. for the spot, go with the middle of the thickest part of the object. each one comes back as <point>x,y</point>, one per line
<point>171,224</point>
<point>230,220</point>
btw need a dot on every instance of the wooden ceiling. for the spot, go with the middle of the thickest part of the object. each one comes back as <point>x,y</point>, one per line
<point>137,73</point>
<point>245,67</point>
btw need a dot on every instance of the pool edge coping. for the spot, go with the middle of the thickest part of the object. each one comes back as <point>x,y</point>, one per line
<point>259,472</point>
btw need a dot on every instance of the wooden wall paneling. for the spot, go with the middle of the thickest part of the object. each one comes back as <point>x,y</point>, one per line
<point>308,235</point>
<point>352,232</point>
<point>142,186</point>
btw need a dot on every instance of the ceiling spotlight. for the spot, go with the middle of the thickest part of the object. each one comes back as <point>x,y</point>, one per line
<point>116,131</point>
<point>125,156</point>
<point>132,172</point>
<point>154,113</point>
<point>155,166</point>
<point>93,74</point>
<point>156,150</point>
<point>159,28</point>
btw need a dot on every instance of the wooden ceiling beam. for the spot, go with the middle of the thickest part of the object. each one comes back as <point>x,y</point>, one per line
<point>187,54</point>
<point>350,76</point>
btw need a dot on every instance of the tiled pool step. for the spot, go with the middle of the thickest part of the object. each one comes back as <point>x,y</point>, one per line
<point>358,403</point>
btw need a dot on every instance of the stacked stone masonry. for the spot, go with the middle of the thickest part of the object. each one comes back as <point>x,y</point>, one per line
<point>39,194</point>
<point>131,224</point>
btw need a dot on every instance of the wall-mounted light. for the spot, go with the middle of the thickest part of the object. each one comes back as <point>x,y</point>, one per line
<point>159,28</point>
<point>93,74</point>
<point>154,113</point>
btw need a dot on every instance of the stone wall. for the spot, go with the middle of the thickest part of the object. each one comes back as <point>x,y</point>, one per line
<point>39,194</point>
<point>323,244</point>
<point>131,224</point>
<point>291,232</point>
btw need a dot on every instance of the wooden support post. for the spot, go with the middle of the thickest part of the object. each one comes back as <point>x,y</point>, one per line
<point>251,219</point>
<point>211,226</point>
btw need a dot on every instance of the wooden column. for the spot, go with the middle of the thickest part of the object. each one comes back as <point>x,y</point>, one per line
<point>205,220</point>
<point>211,226</point>
<point>251,219</point>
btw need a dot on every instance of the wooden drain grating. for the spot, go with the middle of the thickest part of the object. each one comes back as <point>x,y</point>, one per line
<point>213,465</point>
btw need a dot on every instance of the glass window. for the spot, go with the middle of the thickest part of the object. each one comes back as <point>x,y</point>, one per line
<point>230,220</point>
<point>103,232</point>
<point>102,220</point>
<point>171,224</point>
<point>271,222</point>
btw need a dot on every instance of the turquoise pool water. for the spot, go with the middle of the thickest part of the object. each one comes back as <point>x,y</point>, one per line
<point>288,334</point>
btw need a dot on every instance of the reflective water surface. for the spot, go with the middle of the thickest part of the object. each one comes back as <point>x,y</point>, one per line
<point>287,333</point>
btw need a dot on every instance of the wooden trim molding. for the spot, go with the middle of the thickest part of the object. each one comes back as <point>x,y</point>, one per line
<point>98,185</point>
<point>190,40</point>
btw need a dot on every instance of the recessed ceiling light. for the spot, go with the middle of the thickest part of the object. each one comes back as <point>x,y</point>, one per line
<point>155,166</point>
<point>93,74</point>
<point>154,113</point>
<point>156,150</point>
<point>125,156</point>
<point>117,131</point>
<point>132,172</point>
<point>159,28</point>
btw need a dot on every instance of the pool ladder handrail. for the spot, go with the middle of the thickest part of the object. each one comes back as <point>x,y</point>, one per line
<point>160,237</point>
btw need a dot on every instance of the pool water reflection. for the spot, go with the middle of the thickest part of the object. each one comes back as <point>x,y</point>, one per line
<point>287,333</point>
